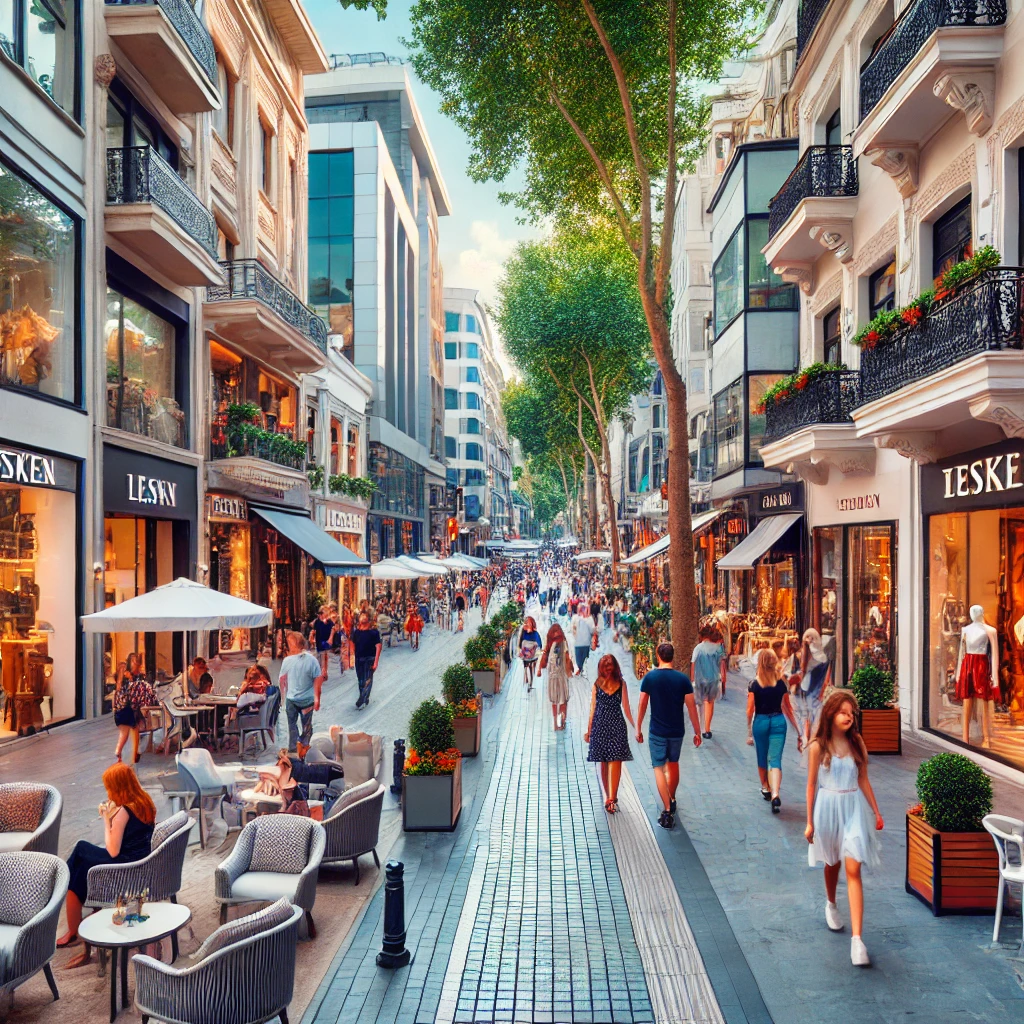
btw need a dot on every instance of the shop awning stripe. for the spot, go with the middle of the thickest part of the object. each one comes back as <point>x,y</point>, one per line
<point>336,559</point>
<point>758,541</point>
<point>661,544</point>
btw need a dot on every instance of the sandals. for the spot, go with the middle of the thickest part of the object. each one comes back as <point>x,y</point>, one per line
<point>70,942</point>
<point>611,806</point>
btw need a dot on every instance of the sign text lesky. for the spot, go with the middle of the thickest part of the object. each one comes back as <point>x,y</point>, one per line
<point>983,476</point>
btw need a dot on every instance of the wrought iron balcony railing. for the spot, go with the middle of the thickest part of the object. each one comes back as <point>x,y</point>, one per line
<point>983,316</point>
<point>807,18</point>
<point>822,171</point>
<point>829,398</point>
<point>249,279</point>
<point>182,15</point>
<point>141,175</point>
<point>226,443</point>
<point>913,29</point>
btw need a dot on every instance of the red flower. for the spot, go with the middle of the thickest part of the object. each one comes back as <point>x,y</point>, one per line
<point>917,810</point>
<point>912,315</point>
<point>801,382</point>
<point>872,336</point>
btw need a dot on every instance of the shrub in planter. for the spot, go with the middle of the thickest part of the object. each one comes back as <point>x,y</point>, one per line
<point>873,688</point>
<point>432,775</point>
<point>430,728</point>
<point>457,684</point>
<point>479,652</point>
<point>955,793</point>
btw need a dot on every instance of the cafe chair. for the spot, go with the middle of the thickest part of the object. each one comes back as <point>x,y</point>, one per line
<point>38,884</point>
<point>245,969</point>
<point>29,817</point>
<point>353,826</point>
<point>209,784</point>
<point>1008,835</point>
<point>262,724</point>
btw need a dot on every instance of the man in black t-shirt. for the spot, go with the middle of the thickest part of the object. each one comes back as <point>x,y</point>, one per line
<point>367,645</point>
<point>667,691</point>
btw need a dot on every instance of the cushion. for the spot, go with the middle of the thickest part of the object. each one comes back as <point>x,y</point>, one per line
<point>279,845</point>
<point>264,886</point>
<point>350,796</point>
<point>8,937</point>
<point>245,927</point>
<point>21,809</point>
<point>26,885</point>
<point>14,842</point>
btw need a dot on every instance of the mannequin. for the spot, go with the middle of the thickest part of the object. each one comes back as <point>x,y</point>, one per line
<point>977,672</point>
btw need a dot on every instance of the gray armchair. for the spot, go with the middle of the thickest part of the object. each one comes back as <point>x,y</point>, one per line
<point>248,981</point>
<point>353,827</point>
<point>34,809</point>
<point>262,724</point>
<point>276,855</point>
<point>38,883</point>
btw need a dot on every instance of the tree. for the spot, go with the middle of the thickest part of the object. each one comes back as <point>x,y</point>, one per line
<point>569,312</point>
<point>592,98</point>
<point>379,6</point>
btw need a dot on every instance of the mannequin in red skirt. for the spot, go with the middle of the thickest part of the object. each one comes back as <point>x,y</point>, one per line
<point>977,671</point>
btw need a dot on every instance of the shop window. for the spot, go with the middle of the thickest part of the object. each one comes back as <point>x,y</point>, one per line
<point>231,573</point>
<point>833,130</point>
<point>451,322</point>
<point>331,225</point>
<point>765,288</point>
<point>472,350</point>
<point>729,428</point>
<point>728,282</point>
<point>38,292</point>
<point>451,447</point>
<point>827,605</point>
<point>225,390</point>
<point>472,400</point>
<point>871,596</point>
<point>141,372</point>
<point>882,289</point>
<point>757,386</point>
<point>224,119</point>
<point>277,402</point>
<point>830,327</point>
<point>353,450</point>
<point>951,237</point>
<point>451,398</point>
<point>42,37</point>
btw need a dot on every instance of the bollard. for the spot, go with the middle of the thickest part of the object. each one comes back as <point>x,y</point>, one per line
<point>394,953</point>
<point>398,767</point>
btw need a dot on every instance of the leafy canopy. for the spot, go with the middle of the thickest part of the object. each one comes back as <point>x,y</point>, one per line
<point>380,6</point>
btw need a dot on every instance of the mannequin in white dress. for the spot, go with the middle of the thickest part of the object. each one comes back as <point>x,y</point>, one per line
<point>977,672</point>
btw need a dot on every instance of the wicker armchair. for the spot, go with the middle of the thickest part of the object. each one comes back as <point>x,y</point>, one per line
<point>46,834</point>
<point>276,855</point>
<point>353,827</point>
<point>28,930</point>
<point>249,981</point>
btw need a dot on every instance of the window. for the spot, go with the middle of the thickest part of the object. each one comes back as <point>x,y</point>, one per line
<point>277,402</point>
<point>471,326</point>
<point>658,384</point>
<point>473,478</point>
<point>39,300</point>
<point>833,335</point>
<point>451,350</point>
<point>729,428</point>
<point>451,448</point>
<point>474,453</point>
<point>353,450</point>
<point>472,350</point>
<point>331,267</point>
<point>224,119</point>
<point>265,168</point>
<point>472,426</point>
<point>833,130</point>
<point>656,416</point>
<point>882,289</point>
<point>728,274</point>
<point>951,237</point>
<point>472,375</point>
<point>451,398</point>
<point>42,37</point>
<point>472,400</point>
<point>451,321</point>
<point>131,125</point>
<point>756,387</point>
<point>766,289</point>
<point>697,381</point>
<point>141,393</point>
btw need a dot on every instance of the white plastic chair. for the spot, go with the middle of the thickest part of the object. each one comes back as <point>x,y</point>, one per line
<point>1007,833</point>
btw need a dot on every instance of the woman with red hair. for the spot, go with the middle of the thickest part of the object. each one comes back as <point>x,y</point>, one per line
<point>128,817</point>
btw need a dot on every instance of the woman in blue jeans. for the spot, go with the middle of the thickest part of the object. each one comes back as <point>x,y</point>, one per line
<point>768,707</point>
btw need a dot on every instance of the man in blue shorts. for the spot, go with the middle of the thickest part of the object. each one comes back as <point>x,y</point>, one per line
<point>667,691</point>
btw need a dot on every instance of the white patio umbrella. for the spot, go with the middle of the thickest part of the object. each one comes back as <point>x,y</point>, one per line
<point>424,567</point>
<point>435,561</point>
<point>393,569</point>
<point>461,562</point>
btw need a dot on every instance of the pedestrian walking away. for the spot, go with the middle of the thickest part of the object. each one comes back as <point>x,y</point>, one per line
<point>558,663</point>
<point>707,670</point>
<point>413,625</point>
<point>668,691</point>
<point>460,611</point>
<point>584,630</point>
<point>366,643</point>
<point>840,803</point>
<point>301,681</point>
<point>529,649</point>
<point>321,637</point>
<point>768,707</point>
<point>606,729</point>
<point>810,682</point>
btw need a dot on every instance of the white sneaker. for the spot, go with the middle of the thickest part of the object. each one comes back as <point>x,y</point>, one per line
<point>833,918</point>
<point>859,953</point>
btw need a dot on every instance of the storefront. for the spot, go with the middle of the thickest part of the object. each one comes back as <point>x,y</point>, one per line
<point>346,524</point>
<point>715,534</point>
<point>974,555</point>
<point>396,519</point>
<point>40,648</point>
<point>149,535</point>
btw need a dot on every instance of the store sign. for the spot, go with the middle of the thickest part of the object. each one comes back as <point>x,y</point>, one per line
<point>144,485</point>
<point>35,470</point>
<point>989,477</point>
<point>983,476</point>
<point>345,522</point>
<point>148,490</point>
<point>861,501</point>
<point>225,508</point>
<point>789,498</point>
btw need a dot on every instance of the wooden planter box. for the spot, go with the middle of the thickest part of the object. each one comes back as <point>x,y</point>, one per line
<point>951,872</point>
<point>467,734</point>
<point>486,681</point>
<point>432,803</point>
<point>882,731</point>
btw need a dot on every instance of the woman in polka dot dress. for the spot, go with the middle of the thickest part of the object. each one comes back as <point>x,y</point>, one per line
<point>606,730</point>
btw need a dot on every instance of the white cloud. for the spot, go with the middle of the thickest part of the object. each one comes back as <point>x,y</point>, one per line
<point>480,267</point>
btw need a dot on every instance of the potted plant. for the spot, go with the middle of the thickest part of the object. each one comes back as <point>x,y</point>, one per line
<point>432,777</point>
<point>460,693</point>
<point>479,651</point>
<point>952,864</point>
<point>875,690</point>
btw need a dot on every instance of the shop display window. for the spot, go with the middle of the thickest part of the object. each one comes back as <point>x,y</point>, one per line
<point>827,592</point>
<point>277,400</point>
<point>231,573</point>
<point>38,291</point>
<point>977,558</point>
<point>141,392</point>
<point>871,596</point>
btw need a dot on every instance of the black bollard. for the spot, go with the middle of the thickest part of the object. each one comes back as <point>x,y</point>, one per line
<point>398,767</point>
<point>394,953</point>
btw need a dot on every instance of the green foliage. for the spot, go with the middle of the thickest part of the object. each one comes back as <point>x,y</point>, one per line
<point>508,616</point>
<point>244,412</point>
<point>430,727</point>
<point>517,473</point>
<point>316,476</point>
<point>955,793</point>
<point>457,684</point>
<point>353,486</point>
<point>783,390</point>
<point>874,688</point>
<point>378,6</point>
<point>479,652</point>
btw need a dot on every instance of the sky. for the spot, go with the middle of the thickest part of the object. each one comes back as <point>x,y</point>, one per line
<point>480,232</point>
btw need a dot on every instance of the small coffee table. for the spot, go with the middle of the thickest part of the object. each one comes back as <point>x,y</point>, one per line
<point>99,930</point>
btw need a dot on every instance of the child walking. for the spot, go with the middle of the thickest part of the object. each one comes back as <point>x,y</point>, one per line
<point>840,802</point>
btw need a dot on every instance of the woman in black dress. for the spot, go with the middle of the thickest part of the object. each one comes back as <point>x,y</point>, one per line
<point>606,730</point>
<point>126,717</point>
<point>128,817</point>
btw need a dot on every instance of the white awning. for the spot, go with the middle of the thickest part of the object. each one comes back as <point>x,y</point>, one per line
<point>767,532</point>
<point>661,544</point>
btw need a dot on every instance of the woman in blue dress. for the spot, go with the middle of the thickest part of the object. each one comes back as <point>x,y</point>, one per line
<point>606,729</point>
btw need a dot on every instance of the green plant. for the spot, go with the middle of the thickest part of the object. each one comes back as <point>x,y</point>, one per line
<point>457,684</point>
<point>788,387</point>
<point>353,486</point>
<point>874,688</point>
<point>954,792</point>
<point>315,474</point>
<point>479,653</point>
<point>430,728</point>
<point>244,412</point>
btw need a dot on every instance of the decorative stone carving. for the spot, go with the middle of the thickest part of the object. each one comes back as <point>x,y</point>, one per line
<point>854,463</point>
<point>960,171</point>
<point>838,244</point>
<point>970,91</point>
<point>104,70</point>
<point>826,295</point>
<point>1005,412</point>
<point>900,164</point>
<point>918,445</point>
<point>796,275</point>
<point>880,245</point>
<point>810,472</point>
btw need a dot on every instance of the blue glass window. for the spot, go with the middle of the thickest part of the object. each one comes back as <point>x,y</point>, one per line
<point>451,321</point>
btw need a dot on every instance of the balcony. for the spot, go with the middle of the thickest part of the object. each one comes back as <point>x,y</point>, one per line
<point>807,18</point>
<point>960,367</point>
<point>167,42</point>
<point>813,429</point>
<point>258,463</point>
<point>939,56</point>
<point>258,314</point>
<point>156,215</point>
<point>813,211</point>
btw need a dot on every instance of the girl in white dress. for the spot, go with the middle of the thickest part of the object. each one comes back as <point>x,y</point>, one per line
<point>840,803</point>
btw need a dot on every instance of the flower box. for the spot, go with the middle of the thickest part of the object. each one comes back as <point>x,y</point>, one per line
<point>951,872</point>
<point>882,731</point>
<point>467,734</point>
<point>486,681</point>
<point>432,803</point>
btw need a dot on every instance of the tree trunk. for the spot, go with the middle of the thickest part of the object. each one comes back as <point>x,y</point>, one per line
<point>592,509</point>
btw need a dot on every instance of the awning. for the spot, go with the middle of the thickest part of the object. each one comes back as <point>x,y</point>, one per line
<point>661,544</point>
<point>758,541</point>
<point>336,559</point>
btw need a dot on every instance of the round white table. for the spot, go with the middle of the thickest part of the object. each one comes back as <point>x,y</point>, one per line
<point>99,930</point>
